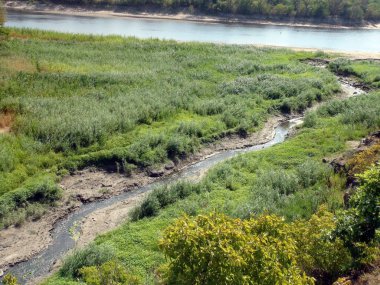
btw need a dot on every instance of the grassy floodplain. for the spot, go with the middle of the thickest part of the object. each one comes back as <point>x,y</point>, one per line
<point>288,180</point>
<point>73,101</point>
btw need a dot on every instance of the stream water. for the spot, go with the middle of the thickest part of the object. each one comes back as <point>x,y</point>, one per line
<point>363,40</point>
<point>63,240</point>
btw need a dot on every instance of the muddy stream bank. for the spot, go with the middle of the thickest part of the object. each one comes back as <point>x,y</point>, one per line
<point>80,226</point>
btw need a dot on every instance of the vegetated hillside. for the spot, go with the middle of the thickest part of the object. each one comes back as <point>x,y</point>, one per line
<point>354,10</point>
<point>264,217</point>
<point>72,101</point>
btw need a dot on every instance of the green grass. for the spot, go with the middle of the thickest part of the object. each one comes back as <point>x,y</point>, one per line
<point>123,103</point>
<point>297,161</point>
<point>368,71</point>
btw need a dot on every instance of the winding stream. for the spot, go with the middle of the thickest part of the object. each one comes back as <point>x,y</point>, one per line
<point>62,239</point>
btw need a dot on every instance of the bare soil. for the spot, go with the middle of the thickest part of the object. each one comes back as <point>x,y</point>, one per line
<point>21,243</point>
<point>6,120</point>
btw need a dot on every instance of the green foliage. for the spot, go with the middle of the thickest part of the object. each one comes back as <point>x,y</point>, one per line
<point>164,196</point>
<point>359,225</point>
<point>367,71</point>
<point>93,255</point>
<point>311,172</point>
<point>215,249</point>
<point>310,119</point>
<point>318,254</point>
<point>28,201</point>
<point>124,111</point>
<point>347,9</point>
<point>300,156</point>
<point>109,273</point>
<point>364,110</point>
<point>9,279</point>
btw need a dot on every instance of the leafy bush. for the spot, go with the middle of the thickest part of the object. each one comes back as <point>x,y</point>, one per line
<point>163,196</point>
<point>311,172</point>
<point>148,208</point>
<point>279,181</point>
<point>109,273</point>
<point>310,120</point>
<point>215,249</point>
<point>93,255</point>
<point>9,279</point>
<point>42,190</point>
<point>319,255</point>
<point>359,225</point>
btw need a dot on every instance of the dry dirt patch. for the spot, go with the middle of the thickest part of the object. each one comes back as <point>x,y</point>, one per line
<point>6,121</point>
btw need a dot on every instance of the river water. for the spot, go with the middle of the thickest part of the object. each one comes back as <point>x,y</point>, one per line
<point>355,39</point>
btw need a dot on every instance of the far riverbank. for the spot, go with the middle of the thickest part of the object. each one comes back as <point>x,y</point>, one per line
<point>180,16</point>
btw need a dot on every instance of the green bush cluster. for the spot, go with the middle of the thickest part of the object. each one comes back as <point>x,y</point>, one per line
<point>367,71</point>
<point>27,202</point>
<point>347,9</point>
<point>140,104</point>
<point>109,273</point>
<point>163,196</point>
<point>363,110</point>
<point>214,248</point>
<point>359,225</point>
<point>92,255</point>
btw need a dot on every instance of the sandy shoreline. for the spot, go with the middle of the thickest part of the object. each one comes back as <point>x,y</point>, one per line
<point>232,19</point>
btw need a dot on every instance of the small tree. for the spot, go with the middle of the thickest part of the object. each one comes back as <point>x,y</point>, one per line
<point>216,249</point>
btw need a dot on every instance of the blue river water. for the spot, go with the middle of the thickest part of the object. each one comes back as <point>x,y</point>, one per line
<point>353,39</point>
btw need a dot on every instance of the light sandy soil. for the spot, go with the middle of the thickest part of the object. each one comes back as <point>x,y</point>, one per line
<point>86,11</point>
<point>18,244</point>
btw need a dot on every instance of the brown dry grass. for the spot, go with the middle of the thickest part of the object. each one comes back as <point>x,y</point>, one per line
<point>16,64</point>
<point>6,120</point>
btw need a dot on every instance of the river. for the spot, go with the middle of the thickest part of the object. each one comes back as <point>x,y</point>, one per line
<point>351,40</point>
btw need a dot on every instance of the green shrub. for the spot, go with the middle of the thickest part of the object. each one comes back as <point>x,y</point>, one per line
<point>109,273</point>
<point>93,255</point>
<point>359,226</point>
<point>311,172</point>
<point>41,190</point>
<point>216,249</point>
<point>164,196</point>
<point>319,255</point>
<point>282,182</point>
<point>9,279</point>
<point>310,120</point>
<point>148,208</point>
